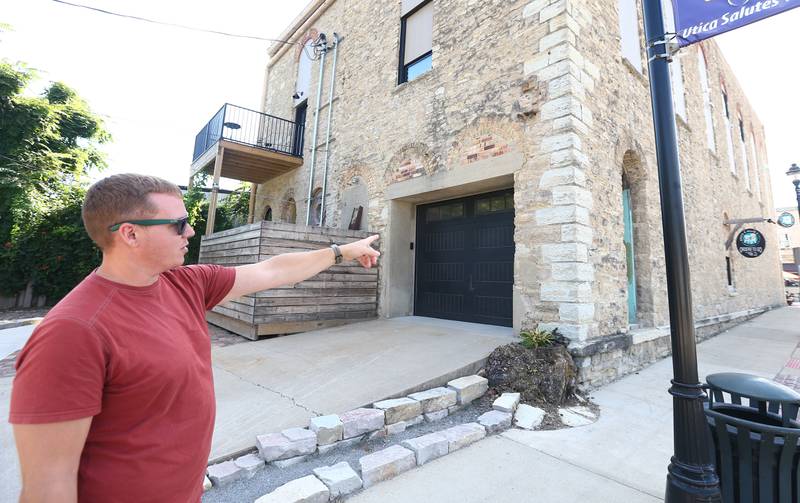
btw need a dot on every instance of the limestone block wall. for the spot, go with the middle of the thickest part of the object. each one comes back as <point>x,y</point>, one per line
<point>536,91</point>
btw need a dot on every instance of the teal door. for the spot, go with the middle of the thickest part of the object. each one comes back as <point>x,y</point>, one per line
<point>629,260</point>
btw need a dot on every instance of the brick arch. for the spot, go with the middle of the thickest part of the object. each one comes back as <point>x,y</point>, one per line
<point>311,34</point>
<point>485,139</point>
<point>361,172</point>
<point>288,207</point>
<point>411,161</point>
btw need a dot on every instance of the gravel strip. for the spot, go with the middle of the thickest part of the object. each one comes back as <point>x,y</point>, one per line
<point>269,479</point>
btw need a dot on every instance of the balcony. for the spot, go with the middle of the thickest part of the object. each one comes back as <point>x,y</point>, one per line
<point>243,144</point>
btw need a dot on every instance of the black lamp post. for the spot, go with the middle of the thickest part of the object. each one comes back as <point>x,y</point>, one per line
<point>690,475</point>
<point>794,173</point>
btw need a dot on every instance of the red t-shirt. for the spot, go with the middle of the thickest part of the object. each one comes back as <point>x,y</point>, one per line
<point>138,359</point>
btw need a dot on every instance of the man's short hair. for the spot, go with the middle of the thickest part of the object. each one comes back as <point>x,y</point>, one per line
<point>119,198</point>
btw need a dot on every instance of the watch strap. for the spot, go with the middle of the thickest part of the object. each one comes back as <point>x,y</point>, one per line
<point>337,252</point>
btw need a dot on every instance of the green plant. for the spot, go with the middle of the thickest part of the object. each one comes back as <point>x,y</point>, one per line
<point>536,338</point>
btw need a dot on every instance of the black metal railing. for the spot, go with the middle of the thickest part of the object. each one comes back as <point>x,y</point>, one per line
<point>249,127</point>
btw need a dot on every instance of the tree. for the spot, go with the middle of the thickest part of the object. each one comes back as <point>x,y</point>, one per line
<point>48,145</point>
<point>231,212</point>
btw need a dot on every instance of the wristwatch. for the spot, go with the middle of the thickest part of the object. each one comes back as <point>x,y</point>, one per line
<point>337,253</point>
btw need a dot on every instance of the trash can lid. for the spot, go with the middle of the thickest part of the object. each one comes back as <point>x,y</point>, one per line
<point>753,387</point>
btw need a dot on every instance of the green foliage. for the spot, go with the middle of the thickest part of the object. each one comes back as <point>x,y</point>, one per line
<point>231,212</point>
<point>537,338</point>
<point>53,251</point>
<point>48,145</point>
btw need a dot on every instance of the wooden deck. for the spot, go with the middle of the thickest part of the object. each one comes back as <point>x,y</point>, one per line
<point>339,295</point>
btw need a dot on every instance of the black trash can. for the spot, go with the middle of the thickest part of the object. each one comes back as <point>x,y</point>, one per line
<point>755,434</point>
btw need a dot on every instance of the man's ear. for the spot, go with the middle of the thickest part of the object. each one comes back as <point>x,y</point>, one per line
<point>127,234</point>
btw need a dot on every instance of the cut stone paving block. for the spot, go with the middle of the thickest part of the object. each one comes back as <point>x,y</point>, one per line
<point>577,416</point>
<point>507,402</point>
<point>304,490</point>
<point>385,464</point>
<point>287,444</point>
<point>340,479</point>
<point>250,463</point>
<point>329,429</point>
<point>206,484</point>
<point>495,421</point>
<point>394,429</point>
<point>360,421</point>
<point>399,409</point>
<point>428,447</point>
<point>435,399</point>
<point>224,473</point>
<point>436,416</point>
<point>414,421</point>
<point>528,417</point>
<point>463,435</point>
<point>469,388</point>
<point>285,463</point>
<point>324,449</point>
<point>455,408</point>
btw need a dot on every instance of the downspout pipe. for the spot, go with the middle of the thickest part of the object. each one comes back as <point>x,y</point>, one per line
<point>324,43</point>
<point>336,41</point>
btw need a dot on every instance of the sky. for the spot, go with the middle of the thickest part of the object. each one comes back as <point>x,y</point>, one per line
<point>157,86</point>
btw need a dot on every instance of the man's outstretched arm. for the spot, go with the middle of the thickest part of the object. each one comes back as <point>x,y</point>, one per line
<point>49,457</point>
<point>291,268</point>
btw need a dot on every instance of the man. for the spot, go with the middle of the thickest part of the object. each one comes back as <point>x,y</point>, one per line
<point>113,400</point>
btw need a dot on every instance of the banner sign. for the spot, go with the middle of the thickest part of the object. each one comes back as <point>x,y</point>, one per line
<point>697,20</point>
<point>750,243</point>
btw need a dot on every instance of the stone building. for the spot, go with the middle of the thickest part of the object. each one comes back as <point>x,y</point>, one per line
<point>504,151</point>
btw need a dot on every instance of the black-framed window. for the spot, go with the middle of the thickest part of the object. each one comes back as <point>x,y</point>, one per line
<point>725,102</point>
<point>416,39</point>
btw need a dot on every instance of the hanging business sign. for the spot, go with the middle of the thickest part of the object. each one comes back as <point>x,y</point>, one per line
<point>786,219</point>
<point>697,20</point>
<point>750,243</point>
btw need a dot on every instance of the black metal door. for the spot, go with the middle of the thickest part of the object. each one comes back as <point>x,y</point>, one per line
<point>299,129</point>
<point>465,259</point>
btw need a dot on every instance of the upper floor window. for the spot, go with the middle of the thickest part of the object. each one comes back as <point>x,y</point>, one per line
<point>756,165</point>
<point>701,62</point>
<point>675,68</point>
<point>743,148</point>
<point>726,119</point>
<point>629,33</point>
<point>304,72</point>
<point>416,39</point>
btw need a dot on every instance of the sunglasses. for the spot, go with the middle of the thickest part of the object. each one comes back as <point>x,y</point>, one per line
<point>180,223</point>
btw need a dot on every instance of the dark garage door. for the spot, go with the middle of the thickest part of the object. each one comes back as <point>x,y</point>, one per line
<point>465,259</point>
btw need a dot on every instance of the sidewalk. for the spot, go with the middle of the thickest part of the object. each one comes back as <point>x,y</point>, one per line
<point>623,457</point>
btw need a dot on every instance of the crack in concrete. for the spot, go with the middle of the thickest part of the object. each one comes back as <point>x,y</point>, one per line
<point>280,394</point>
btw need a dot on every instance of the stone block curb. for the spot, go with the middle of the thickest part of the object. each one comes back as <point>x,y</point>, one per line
<point>308,489</point>
<point>469,388</point>
<point>527,417</point>
<point>224,473</point>
<point>428,447</point>
<point>329,429</point>
<point>360,421</point>
<point>385,464</point>
<point>399,409</point>
<point>340,479</point>
<point>436,399</point>
<point>463,435</point>
<point>495,421</point>
<point>507,402</point>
